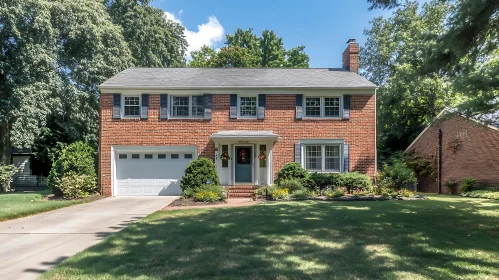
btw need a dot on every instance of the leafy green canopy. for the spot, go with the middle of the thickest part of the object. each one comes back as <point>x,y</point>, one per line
<point>468,51</point>
<point>244,49</point>
<point>393,56</point>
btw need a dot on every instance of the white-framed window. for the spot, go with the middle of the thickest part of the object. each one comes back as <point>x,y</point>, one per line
<point>322,157</point>
<point>131,106</point>
<point>247,106</point>
<point>322,106</point>
<point>187,107</point>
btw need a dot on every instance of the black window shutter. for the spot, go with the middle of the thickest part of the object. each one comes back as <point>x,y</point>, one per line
<point>208,101</point>
<point>346,157</point>
<point>299,106</point>
<point>163,106</point>
<point>261,106</point>
<point>233,106</point>
<point>298,153</point>
<point>144,112</point>
<point>116,106</point>
<point>346,107</point>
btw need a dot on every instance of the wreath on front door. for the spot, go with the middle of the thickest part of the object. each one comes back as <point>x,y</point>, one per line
<point>262,156</point>
<point>225,156</point>
<point>242,154</point>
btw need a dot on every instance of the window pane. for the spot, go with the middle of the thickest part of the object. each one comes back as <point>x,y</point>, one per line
<point>161,156</point>
<point>333,157</point>
<point>174,156</point>
<point>180,106</point>
<point>247,107</point>
<point>332,107</point>
<point>197,111</point>
<point>122,156</point>
<point>131,106</point>
<point>313,107</point>
<point>135,156</point>
<point>148,156</point>
<point>313,157</point>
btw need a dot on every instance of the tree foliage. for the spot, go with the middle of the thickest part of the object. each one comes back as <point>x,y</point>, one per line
<point>244,49</point>
<point>392,58</point>
<point>467,52</point>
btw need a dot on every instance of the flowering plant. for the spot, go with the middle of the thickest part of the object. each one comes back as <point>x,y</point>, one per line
<point>262,156</point>
<point>225,156</point>
<point>242,154</point>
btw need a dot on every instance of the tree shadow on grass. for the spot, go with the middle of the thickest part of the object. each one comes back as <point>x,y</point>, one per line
<point>302,240</point>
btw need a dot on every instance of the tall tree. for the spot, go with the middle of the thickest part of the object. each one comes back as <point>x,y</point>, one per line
<point>153,40</point>
<point>392,58</point>
<point>466,51</point>
<point>245,49</point>
<point>54,54</point>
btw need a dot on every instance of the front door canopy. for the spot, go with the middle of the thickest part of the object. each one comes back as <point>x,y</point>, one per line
<point>245,134</point>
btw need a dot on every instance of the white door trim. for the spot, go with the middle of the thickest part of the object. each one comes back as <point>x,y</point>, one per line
<point>252,162</point>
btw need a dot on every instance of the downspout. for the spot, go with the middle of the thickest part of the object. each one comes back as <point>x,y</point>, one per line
<point>439,162</point>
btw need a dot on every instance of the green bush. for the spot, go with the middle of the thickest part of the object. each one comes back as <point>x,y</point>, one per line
<point>76,186</point>
<point>467,185</point>
<point>308,183</point>
<point>6,173</point>
<point>198,172</point>
<point>291,170</point>
<point>76,159</point>
<point>291,184</point>
<point>334,193</point>
<point>352,180</point>
<point>482,194</point>
<point>396,175</point>
<point>206,196</point>
<point>451,186</point>
<point>217,190</point>
<point>406,193</point>
<point>300,194</point>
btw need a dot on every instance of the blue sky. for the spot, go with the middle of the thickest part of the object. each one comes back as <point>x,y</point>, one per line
<point>322,26</point>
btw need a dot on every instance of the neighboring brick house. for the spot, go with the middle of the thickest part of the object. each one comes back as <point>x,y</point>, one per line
<point>468,148</point>
<point>154,121</point>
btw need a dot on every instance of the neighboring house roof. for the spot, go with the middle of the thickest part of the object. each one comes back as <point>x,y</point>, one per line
<point>190,78</point>
<point>21,151</point>
<point>494,126</point>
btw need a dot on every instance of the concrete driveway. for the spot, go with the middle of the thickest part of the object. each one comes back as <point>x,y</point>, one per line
<point>32,245</point>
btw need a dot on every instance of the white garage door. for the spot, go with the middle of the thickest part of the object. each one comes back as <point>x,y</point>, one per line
<point>150,173</point>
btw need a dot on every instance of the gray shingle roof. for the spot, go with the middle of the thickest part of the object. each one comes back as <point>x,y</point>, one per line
<point>237,78</point>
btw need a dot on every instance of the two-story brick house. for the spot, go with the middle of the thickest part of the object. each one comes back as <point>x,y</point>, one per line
<point>154,121</point>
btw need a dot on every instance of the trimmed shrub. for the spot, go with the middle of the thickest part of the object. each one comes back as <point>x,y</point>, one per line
<point>406,193</point>
<point>6,173</point>
<point>334,193</point>
<point>308,183</point>
<point>198,172</point>
<point>76,159</point>
<point>467,185</point>
<point>321,180</point>
<point>206,196</point>
<point>291,185</point>
<point>451,186</point>
<point>396,175</point>
<point>300,194</point>
<point>482,194</point>
<point>352,180</point>
<point>75,186</point>
<point>291,170</point>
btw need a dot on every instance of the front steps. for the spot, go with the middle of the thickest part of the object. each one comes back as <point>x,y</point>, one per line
<point>240,191</point>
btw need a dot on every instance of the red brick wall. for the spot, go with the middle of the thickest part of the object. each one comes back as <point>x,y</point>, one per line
<point>476,155</point>
<point>359,131</point>
<point>350,57</point>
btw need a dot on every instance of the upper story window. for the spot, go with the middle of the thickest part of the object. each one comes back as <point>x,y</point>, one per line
<point>322,107</point>
<point>322,158</point>
<point>187,107</point>
<point>132,106</point>
<point>247,106</point>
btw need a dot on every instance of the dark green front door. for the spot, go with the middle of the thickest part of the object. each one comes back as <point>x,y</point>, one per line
<point>244,165</point>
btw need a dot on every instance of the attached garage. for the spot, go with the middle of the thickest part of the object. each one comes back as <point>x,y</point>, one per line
<point>153,171</point>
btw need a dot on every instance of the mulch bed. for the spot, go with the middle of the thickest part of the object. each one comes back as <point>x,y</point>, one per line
<point>192,202</point>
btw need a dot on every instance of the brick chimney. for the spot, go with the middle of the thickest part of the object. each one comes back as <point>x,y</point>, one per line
<point>351,56</point>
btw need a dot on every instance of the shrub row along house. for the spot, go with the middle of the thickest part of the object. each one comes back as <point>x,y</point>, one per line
<point>250,122</point>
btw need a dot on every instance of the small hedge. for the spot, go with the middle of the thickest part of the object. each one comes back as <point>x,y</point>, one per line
<point>291,170</point>
<point>198,173</point>
<point>482,194</point>
<point>75,186</point>
<point>352,180</point>
<point>76,159</point>
<point>291,185</point>
<point>300,194</point>
<point>467,185</point>
<point>206,193</point>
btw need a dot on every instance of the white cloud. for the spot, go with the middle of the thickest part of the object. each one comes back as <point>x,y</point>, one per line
<point>180,12</point>
<point>210,33</point>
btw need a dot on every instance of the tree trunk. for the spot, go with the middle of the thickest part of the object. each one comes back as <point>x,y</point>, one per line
<point>5,149</point>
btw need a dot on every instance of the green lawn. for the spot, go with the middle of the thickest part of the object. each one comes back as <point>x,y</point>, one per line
<point>441,238</point>
<point>16,205</point>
